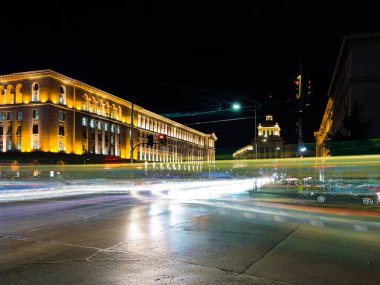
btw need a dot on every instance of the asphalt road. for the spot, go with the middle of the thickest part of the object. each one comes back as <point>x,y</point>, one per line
<point>144,239</point>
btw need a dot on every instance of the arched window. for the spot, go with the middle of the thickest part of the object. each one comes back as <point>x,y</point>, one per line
<point>107,109</point>
<point>62,95</point>
<point>118,114</point>
<point>92,105</point>
<point>35,92</point>
<point>84,102</point>
<point>113,111</point>
<point>100,108</point>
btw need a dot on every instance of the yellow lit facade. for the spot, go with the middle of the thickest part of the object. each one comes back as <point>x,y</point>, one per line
<point>49,112</point>
<point>269,143</point>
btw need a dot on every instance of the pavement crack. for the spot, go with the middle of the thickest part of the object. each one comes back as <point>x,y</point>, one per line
<point>272,248</point>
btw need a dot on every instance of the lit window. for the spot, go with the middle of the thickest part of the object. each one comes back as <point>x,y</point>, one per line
<point>35,92</point>
<point>36,142</point>
<point>10,116</point>
<point>62,95</point>
<point>118,129</point>
<point>62,116</point>
<point>1,116</point>
<point>99,125</point>
<point>61,145</point>
<point>84,102</point>
<point>92,123</point>
<point>112,128</point>
<point>9,144</point>
<point>19,116</point>
<point>84,121</point>
<point>35,115</point>
<point>106,127</point>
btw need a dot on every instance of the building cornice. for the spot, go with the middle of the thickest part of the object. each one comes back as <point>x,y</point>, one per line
<point>166,120</point>
<point>31,75</point>
<point>349,39</point>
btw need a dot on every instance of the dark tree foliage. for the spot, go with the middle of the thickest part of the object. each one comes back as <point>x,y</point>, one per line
<point>352,125</point>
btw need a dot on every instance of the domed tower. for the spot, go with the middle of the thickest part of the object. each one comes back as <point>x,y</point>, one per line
<point>269,141</point>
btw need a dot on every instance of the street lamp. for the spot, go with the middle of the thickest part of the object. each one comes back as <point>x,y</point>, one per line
<point>236,106</point>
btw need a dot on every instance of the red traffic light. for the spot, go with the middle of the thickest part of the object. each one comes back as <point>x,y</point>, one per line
<point>296,82</point>
<point>162,139</point>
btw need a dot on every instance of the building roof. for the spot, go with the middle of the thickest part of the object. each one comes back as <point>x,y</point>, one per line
<point>349,39</point>
<point>242,150</point>
<point>53,74</point>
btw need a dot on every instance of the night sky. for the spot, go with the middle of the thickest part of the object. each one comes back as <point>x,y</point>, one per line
<point>194,57</point>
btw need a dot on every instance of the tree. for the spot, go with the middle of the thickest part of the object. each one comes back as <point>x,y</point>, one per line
<point>352,125</point>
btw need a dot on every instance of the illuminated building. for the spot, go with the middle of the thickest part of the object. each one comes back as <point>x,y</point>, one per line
<point>269,143</point>
<point>48,112</point>
<point>355,82</point>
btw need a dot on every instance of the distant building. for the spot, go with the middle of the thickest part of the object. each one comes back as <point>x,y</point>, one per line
<point>269,142</point>
<point>45,111</point>
<point>354,93</point>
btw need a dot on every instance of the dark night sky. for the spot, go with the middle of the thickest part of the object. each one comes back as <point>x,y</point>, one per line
<point>188,57</point>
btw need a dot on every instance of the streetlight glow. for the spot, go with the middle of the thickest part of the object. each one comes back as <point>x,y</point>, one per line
<point>236,106</point>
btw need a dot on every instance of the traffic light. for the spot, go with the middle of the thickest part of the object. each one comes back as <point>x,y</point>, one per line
<point>162,139</point>
<point>309,87</point>
<point>298,84</point>
<point>150,140</point>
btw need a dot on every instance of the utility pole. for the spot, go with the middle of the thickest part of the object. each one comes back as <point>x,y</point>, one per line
<point>255,134</point>
<point>300,112</point>
<point>131,135</point>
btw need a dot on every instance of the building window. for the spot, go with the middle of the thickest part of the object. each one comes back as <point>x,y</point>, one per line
<point>92,123</point>
<point>10,116</point>
<point>118,129</point>
<point>36,143</point>
<point>99,126</point>
<point>61,130</point>
<point>35,115</point>
<point>62,95</point>
<point>106,127</point>
<point>9,143</point>
<point>35,129</point>
<point>84,121</point>
<point>19,116</point>
<point>62,116</point>
<point>35,92</point>
<point>84,102</point>
<point>18,143</point>
<point>1,130</point>
<point>112,128</point>
<point>18,132</point>
<point>84,134</point>
<point>1,116</point>
<point>9,131</point>
<point>61,145</point>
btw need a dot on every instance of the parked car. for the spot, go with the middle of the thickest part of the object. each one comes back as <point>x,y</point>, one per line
<point>366,194</point>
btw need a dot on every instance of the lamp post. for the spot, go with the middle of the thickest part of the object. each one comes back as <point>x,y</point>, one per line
<point>236,106</point>
<point>131,135</point>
